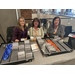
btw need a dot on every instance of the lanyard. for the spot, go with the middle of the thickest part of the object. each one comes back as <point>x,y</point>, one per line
<point>34,32</point>
<point>55,31</point>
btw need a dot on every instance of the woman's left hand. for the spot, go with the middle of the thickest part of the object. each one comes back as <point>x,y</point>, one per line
<point>25,38</point>
<point>61,37</point>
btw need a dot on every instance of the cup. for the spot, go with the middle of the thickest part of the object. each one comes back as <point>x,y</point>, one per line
<point>31,38</point>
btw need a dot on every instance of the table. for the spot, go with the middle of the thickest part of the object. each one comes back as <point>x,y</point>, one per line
<point>39,59</point>
<point>56,59</point>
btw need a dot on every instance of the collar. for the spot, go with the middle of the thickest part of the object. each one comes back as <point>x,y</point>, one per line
<point>34,29</point>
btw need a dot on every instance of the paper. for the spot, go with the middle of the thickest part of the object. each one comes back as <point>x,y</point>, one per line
<point>51,48</point>
<point>29,55</point>
<point>38,38</point>
<point>40,41</point>
<point>22,39</point>
<point>43,47</point>
<point>34,47</point>
<point>21,47</point>
<point>21,54</point>
<point>48,44</point>
<point>71,35</point>
<point>26,41</point>
<point>14,45</point>
<point>27,47</point>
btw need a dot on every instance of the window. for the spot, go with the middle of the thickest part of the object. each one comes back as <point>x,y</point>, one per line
<point>58,10</point>
<point>73,11</point>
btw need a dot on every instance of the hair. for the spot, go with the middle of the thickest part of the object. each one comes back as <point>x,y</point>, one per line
<point>36,19</point>
<point>55,19</point>
<point>19,26</point>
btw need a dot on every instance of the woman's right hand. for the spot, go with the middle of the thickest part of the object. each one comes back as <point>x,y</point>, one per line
<point>16,40</point>
<point>47,35</point>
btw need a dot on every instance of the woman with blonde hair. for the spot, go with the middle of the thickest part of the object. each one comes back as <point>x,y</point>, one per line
<point>20,31</point>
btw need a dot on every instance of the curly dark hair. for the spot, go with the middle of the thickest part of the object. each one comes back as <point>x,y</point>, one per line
<point>55,19</point>
<point>36,19</point>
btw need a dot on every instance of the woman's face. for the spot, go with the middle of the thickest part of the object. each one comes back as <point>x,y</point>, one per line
<point>22,22</point>
<point>36,23</point>
<point>56,22</point>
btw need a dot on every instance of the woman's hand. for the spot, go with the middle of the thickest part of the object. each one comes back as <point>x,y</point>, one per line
<point>47,35</point>
<point>16,40</point>
<point>62,37</point>
<point>25,38</point>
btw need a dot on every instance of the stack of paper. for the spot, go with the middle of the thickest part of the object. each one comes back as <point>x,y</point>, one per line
<point>40,41</point>
<point>27,47</point>
<point>34,47</point>
<point>71,35</point>
<point>15,45</point>
<point>29,55</point>
<point>38,38</point>
<point>21,47</point>
<point>50,47</point>
<point>26,41</point>
<point>21,54</point>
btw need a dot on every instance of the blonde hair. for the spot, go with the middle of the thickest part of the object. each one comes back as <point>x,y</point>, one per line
<point>19,26</point>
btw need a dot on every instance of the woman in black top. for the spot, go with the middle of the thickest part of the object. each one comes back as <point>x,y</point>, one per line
<point>56,29</point>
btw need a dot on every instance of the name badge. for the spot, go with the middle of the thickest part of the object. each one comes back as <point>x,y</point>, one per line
<point>22,39</point>
<point>54,33</point>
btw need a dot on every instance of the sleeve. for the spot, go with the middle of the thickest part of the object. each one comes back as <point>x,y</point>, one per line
<point>15,34</point>
<point>42,32</point>
<point>62,31</point>
<point>49,30</point>
<point>30,32</point>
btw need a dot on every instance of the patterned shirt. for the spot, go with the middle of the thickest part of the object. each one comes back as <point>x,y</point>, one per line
<point>36,33</point>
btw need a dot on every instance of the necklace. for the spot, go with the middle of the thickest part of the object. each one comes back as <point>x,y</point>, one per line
<point>55,30</point>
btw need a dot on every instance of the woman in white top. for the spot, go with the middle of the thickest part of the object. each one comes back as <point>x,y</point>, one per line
<point>36,30</point>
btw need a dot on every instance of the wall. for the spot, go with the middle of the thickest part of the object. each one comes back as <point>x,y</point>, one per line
<point>27,14</point>
<point>34,11</point>
<point>19,12</point>
<point>34,16</point>
<point>7,19</point>
<point>66,22</point>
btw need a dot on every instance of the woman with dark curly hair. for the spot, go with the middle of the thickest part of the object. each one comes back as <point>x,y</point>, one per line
<point>36,30</point>
<point>56,29</point>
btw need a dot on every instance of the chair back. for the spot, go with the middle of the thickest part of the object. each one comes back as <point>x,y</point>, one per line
<point>10,33</point>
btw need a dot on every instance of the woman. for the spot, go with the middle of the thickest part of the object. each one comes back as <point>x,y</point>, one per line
<point>56,29</point>
<point>20,31</point>
<point>36,30</point>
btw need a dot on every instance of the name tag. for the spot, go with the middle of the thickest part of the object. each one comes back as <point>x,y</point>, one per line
<point>54,32</point>
<point>22,39</point>
<point>21,54</point>
<point>38,37</point>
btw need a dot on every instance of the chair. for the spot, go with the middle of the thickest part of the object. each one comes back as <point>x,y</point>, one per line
<point>68,30</point>
<point>10,33</point>
<point>44,21</point>
<point>2,39</point>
